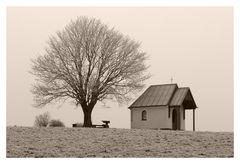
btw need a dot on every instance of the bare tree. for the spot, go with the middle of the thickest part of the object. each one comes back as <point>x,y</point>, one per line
<point>88,62</point>
<point>42,120</point>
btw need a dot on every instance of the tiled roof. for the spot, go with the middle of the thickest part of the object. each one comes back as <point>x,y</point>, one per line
<point>161,95</point>
<point>179,96</point>
<point>155,95</point>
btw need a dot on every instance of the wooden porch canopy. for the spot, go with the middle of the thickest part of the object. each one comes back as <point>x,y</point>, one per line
<point>183,96</point>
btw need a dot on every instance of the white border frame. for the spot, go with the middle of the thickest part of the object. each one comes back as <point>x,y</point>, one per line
<point>66,3</point>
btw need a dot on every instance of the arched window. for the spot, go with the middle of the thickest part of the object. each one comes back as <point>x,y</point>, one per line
<point>144,115</point>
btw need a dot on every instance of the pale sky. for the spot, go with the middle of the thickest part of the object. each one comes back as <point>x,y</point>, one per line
<point>193,45</point>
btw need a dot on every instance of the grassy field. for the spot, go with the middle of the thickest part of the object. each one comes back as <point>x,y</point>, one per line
<point>96,142</point>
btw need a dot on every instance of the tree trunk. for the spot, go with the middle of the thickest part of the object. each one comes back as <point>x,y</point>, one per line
<point>87,117</point>
<point>87,111</point>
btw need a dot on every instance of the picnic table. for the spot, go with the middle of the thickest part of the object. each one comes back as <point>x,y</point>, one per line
<point>105,125</point>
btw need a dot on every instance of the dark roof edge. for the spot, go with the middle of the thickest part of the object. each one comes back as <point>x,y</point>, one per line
<point>193,98</point>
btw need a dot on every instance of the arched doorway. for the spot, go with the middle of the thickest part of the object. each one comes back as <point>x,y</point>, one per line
<point>175,119</point>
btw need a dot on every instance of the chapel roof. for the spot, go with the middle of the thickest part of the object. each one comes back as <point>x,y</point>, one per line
<point>165,95</point>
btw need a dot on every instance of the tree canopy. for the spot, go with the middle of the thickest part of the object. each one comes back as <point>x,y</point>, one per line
<point>88,62</point>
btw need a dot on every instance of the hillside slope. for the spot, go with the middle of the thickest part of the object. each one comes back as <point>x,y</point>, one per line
<point>96,142</point>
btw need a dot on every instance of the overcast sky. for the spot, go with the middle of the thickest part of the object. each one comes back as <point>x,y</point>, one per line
<point>193,45</point>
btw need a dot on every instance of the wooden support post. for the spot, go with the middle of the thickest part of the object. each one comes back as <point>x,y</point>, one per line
<point>178,119</point>
<point>169,112</point>
<point>193,119</point>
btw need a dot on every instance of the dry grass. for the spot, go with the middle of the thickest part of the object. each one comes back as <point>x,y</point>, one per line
<point>94,142</point>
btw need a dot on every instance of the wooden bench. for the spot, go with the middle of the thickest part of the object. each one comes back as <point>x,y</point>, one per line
<point>105,125</point>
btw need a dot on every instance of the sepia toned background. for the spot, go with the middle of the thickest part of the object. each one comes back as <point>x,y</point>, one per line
<point>192,45</point>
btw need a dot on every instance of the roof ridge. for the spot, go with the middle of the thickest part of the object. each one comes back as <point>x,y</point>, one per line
<point>164,84</point>
<point>184,88</point>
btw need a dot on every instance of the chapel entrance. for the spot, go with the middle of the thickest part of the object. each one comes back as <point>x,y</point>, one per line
<point>176,119</point>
